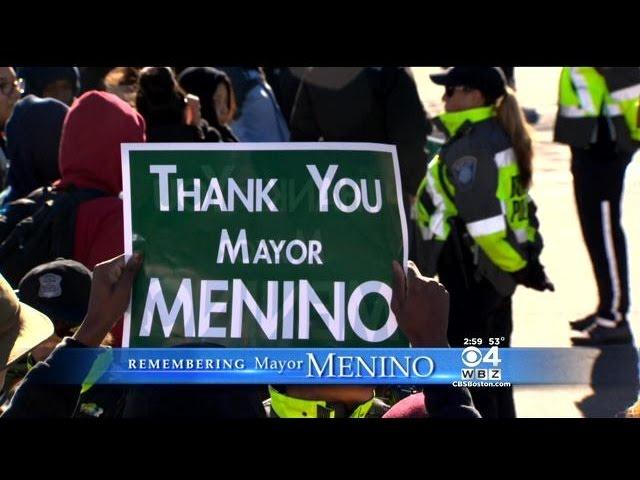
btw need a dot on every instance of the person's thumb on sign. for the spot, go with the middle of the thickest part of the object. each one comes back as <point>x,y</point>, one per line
<point>110,294</point>
<point>421,307</point>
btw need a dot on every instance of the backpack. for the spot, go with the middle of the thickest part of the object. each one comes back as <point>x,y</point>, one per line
<point>39,228</point>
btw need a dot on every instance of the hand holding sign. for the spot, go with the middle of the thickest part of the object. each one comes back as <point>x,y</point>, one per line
<point>421,307</point>
<point>110,293</point>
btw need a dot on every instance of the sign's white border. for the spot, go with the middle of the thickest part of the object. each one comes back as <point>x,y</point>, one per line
<point>125,148</point>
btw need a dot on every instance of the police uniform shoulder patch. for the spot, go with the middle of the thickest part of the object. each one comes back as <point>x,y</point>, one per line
<point>464,172</point>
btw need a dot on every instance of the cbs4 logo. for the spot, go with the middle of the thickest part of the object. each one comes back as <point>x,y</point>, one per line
<point>472,357</point>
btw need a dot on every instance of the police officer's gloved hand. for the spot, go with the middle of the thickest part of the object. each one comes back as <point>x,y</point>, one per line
<point>533,276</point>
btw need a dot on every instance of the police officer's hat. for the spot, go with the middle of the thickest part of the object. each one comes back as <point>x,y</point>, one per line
<point>491,81</point>
<point>59,289</point>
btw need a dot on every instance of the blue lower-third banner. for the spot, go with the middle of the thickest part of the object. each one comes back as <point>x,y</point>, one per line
<point>412,366</point>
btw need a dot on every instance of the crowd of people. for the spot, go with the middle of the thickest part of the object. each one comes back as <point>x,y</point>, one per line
<point>471,219</point>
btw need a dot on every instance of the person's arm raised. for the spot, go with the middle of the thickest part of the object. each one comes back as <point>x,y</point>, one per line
<point>110,294</point>
<point>421,307</point>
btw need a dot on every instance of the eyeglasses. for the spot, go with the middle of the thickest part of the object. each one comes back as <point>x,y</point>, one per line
<point>451,90</point>
<point>7,88</point>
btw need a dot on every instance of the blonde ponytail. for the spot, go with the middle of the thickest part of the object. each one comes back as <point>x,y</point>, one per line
<point>512,120</point>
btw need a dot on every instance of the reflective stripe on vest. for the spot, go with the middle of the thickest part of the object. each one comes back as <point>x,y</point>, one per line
<point>581,81</point>
<point>629,93</point>
<point>572,112</point>
<point>487,226</point>
<point>582,92</point>
<point>521,235</point>
<point>436,223</point>
<point>611,110</point>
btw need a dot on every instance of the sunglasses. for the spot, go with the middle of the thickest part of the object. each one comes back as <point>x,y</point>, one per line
<point>450,90</point>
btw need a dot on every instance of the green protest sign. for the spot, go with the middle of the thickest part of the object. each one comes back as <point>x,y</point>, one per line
<point>263,245</point>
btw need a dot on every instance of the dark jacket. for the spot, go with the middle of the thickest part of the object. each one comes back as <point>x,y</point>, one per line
<point>41,395</point>
<point>378,105</point>
<point>285,82</point>
<point>33,141</point>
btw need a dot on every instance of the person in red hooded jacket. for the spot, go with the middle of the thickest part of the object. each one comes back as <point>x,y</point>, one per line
<point>94,128</point>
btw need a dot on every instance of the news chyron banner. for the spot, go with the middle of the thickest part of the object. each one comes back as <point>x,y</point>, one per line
<point>263,245</point>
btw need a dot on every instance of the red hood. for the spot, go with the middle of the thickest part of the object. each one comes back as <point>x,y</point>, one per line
<point>94,128</point>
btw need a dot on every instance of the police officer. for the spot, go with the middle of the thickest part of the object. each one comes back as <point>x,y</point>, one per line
<point>597,118</point>
<point>476,217</point>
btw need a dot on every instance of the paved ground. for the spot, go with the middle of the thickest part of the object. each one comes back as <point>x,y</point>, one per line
<point>540,319</point>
